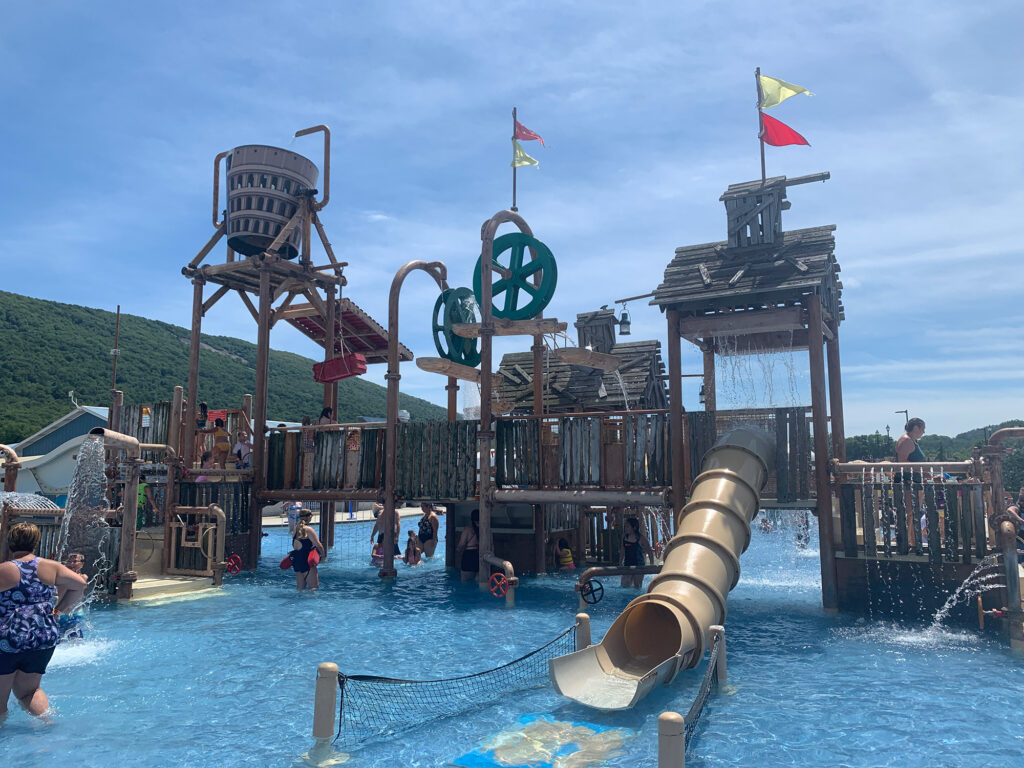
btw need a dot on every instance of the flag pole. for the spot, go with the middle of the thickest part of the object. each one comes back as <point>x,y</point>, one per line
<point>514,160</point>
<point>760,120</point>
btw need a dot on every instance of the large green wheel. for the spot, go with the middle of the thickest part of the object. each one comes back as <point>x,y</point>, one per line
<point>515,297</point>
<point>455,305</point>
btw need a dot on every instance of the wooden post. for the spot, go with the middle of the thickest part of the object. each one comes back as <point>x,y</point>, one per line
<point>452,388</point>
<point>259,425</point>
<point>675,403</point>
<point>173,467</point>
<point>710,401</point>
<point>538,375</point>
<point>835,395</point>
<point>188,455</point>
<point>819,420</point>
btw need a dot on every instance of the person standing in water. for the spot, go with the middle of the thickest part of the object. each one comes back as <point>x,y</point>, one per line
<point>304,544</point>
<point>28,623</point>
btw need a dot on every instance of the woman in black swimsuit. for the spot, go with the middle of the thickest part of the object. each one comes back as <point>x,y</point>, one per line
<point>469,547</point>
<point>634,547</point>
<point>305,541</point>
<point>428,527</point>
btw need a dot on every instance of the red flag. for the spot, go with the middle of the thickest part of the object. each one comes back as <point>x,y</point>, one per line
<point>525,134</point>
<point>778,134</point>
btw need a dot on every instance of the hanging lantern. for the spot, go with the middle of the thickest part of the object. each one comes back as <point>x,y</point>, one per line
<point>624,322</point>
<point>703,395</point>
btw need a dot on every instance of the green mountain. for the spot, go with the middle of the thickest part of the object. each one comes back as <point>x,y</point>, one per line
<point>48,348</point>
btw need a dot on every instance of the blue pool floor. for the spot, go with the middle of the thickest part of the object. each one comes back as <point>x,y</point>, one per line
<point>228,680</point>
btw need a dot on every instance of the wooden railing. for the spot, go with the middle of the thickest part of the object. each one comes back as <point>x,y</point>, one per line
<point>917,516</point>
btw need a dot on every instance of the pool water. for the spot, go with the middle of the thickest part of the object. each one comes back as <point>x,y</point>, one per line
<point>228,680</point>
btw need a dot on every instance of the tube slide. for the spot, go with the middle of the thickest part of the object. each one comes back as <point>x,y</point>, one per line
<point>668,628</point>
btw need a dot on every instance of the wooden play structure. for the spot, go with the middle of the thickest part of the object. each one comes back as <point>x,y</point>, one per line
<point>569,437</point>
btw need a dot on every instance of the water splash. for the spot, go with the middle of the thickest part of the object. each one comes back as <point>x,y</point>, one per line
<point>982,579</point>
<point>84,527</point>
<point>622,386</point>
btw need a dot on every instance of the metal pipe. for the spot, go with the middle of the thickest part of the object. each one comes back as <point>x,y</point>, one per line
<point>219,544</point>
<point>485,434</point>
<point>857,469</point>
<point>510,576</point>
<point>1006,433</point>
<point>11,467</point>
<point>216,187</point>
<point>439,272</point>
<point>327,161</point>
<point>626,498</point>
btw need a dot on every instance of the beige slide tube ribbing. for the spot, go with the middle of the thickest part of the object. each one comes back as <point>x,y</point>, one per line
<point>667,629</point>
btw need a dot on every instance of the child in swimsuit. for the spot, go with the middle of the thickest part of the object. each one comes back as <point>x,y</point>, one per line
<point>565,561</point>
<point>412,550</point>
<point>377,553</point>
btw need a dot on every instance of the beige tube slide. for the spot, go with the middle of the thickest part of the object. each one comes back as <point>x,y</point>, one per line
<point>667,629</point>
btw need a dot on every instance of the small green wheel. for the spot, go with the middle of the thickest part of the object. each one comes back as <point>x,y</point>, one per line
<point>455,305</point>
<point>508,291</point>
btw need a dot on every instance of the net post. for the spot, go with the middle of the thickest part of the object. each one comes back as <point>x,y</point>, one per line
<point>671,740</point>
<point>718,635</point>
<point>582,631</point>
<point>324,700</point>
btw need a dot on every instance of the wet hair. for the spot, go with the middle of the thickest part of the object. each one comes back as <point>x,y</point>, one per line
<point>563,544</point>
<point>23,537</point>
<point>635,523</point>
<point>300,527</point>
<point>380,538</point>
<point>914,424</point>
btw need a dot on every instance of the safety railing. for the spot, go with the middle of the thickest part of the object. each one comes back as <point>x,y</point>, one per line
<point>926,511</point>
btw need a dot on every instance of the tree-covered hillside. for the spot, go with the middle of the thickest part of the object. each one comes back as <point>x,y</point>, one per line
<point>48,348</point>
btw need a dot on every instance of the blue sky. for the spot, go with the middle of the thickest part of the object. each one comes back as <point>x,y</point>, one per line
<point>114,111</point>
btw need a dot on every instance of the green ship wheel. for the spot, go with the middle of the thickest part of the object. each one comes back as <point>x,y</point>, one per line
<point>515,297</point>
<point>454,305</point>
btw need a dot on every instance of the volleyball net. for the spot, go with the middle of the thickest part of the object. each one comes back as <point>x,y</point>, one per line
<point>374,706</point>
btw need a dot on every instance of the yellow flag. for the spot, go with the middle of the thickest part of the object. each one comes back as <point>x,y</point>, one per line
<point>775,91</point>
<point>519,157</point>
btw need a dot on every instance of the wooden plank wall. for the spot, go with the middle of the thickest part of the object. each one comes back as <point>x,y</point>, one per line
<point>883,520</point>
<point>517,452</point>
<point>437,460</point>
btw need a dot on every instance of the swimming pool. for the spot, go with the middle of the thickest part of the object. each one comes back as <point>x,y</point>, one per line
<point>228,680</point>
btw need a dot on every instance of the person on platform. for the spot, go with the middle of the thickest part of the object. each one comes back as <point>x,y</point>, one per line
<point>468,549</point>
<point>429,525</point>
<point>29,631</point>
<point>326,416</point>
<point>145,503</point>
<point>304,543</point>
<point>221,443</point>
<point>1016,513</point>
<point>634,547</point>
<point>242,450</point>
<point>907,448</point>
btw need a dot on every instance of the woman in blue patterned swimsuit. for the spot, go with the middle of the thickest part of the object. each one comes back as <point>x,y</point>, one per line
<point>28,625</point>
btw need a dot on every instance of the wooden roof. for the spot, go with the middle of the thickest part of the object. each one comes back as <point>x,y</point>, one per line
<point>712,277</point>
<point>357,332</point>
<point>574,387</point>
